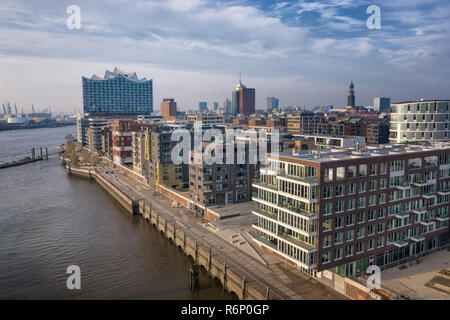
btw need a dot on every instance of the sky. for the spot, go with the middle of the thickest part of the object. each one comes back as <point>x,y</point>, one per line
<point>303,52</point>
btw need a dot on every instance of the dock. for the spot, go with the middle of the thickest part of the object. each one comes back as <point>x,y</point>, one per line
<point>29,159</point>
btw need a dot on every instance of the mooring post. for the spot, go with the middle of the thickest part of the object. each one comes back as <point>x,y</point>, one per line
<point>46,153</point>
<point>209,260</point>
<point>194,277</point>
<point>174,232</point>
<point>224,276</point>
<point>243,287</point>
<point>268,293</point>
<point>195,256</point>
<point>41,154</point>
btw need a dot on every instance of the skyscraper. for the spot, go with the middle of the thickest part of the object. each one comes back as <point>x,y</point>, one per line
<point>227,106</point>
<point>381,104</point>
<point>351,96</point>
<point>169,109</point>
<point>243,101</point>
<point>117,93</point>
<point>272,103</point>
<point>203,106</point>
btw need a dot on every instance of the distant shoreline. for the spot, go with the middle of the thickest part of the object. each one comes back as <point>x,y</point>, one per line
<point>34,126</point>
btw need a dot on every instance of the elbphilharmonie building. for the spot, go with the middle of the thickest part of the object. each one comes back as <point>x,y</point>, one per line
<point>117,93</point>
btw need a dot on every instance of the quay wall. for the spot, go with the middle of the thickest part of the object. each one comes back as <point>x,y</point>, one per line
<point>216,266</point>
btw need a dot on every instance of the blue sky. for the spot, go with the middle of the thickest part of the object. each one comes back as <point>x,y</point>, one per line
<point>304,52</point>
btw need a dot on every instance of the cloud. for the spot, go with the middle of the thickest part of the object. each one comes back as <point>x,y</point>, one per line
<point>325,42</point>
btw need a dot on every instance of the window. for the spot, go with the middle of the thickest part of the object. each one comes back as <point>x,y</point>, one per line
<point>362,186</point>
<point>348,251</point>
<point>383,167</point>
<point>371,215</point>
<point>339,206</point>
<point>351,204</point>
<point>361,217</point>
<point>359,247</point>
<point>383,183</point>
<point>372,200</point>
<point>382,198</point>
<point>340,173</point>
<point>370,230</point>
<point>326,208</point>
<point>350,220</point>
<point>373,185</point>
<point>351,188</point>
<point>381,213</point>
<point>340,190</point>
<point>373,169</point>
<point>338,254</point>
<point>380,227</point>
<point>327,225</point>
<point>328,175</point>
<point>398,165</point>
<point>363,170</point>
<point>326,241</point>
<point>338,222</point>
<point>338,238</point>
<point>351,171</point>
<point>350,235</point>
<point>327,192</point>
<point>361,231</point>
<point>380,242</point>
<point>361,202</point>
<point>326,257</point>
<point>370,244</point>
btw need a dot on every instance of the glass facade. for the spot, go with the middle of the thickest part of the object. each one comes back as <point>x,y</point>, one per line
<point>117,93</point>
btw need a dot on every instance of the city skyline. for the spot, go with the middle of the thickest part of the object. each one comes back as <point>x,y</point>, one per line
<point>294,50</point>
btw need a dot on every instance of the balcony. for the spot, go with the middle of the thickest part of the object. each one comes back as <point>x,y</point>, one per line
<point>401,244</point>
<point>300,211</point>
<point>402,214</point>
<point>296,241</point>
<point>417,238</point>
<point>265,214</point>
<point>265,185</point>
<point>421,182</point>
<point>442,218</point>
<point>309,181</point>
<point>264,240</point>
<point>444,192</point>
<point>406,185</point>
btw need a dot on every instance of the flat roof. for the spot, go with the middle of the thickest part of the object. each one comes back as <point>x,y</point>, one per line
<point>340,154</point>
<point>421,101</point>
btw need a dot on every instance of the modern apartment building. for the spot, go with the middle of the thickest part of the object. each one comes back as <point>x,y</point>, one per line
<point>117,93</point>
<point>377,133</point>
<point>427,120</point>
<point>304,122</point>
<point>158,153</point>
<point>324,141</point>
<point>221,184</point>
<point>140,164</point>
<point>122,139</point>
<point>343,211</point>
<point>95,133</point>
<point>206,119</point>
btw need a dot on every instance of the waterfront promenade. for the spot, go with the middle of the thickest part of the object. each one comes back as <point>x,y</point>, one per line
<point>283,283</point>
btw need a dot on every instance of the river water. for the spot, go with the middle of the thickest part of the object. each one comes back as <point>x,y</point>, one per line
<point>49,221</point>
